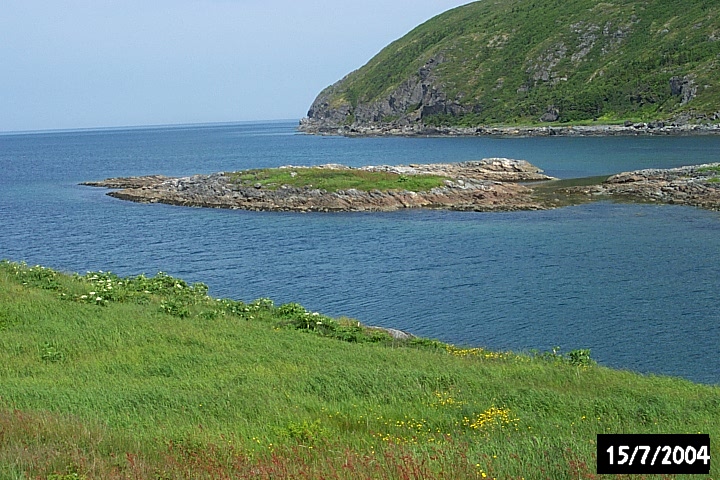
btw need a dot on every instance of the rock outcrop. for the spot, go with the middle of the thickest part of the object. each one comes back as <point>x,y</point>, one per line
<point>420,96</point>
<point>683,87</point>
<point>495,169</point>
<point>697,185</point>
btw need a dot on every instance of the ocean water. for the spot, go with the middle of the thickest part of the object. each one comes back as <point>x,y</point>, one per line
<point>636,284</point>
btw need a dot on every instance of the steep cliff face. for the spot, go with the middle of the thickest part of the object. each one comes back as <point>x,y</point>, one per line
<point>528,62</point>
<point>416,98</point>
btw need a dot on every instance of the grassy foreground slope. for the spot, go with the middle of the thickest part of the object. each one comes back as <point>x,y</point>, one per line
<point>513,61</point>
<point>148,377</point>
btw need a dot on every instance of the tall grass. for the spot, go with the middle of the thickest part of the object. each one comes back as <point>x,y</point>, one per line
<point>158,380</point>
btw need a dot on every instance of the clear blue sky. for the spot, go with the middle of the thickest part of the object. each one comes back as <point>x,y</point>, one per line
<point>103,63</point>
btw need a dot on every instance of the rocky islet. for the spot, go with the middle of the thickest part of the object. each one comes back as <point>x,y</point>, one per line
<point>495,184</point>
<point>485,185</point>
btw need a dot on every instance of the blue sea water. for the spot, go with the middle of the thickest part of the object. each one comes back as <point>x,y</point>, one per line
<point>636,284</point>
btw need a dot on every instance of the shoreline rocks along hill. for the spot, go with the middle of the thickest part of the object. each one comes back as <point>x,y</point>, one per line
<point>321,127</point>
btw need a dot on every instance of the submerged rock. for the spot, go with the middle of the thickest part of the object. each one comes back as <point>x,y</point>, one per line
<point>129,182</point>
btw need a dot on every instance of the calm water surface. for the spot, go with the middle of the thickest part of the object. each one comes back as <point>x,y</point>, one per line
<point>637,284</point>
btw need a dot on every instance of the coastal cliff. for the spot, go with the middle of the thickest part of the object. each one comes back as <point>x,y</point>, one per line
<point>643,67</point>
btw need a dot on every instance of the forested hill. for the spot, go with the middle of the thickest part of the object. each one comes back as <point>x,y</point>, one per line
<point>528,62</point>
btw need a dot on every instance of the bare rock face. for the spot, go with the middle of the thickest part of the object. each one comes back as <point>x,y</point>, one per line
<point>419,96</point>
<point>551,115</point>
<point>324,113</point>
<point>485,185</point>
<point>683,87</point>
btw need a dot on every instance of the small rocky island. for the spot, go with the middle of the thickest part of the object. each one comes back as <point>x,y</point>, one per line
<point>492,184</point>
<point>486,185</point>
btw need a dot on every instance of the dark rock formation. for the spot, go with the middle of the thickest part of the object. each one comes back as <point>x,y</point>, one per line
<point>416,98</point>
<point>683,87</point>
<point>551,115</point>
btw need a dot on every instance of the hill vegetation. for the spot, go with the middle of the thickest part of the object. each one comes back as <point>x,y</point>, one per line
<point>529,62</point>
<point>140,377</point>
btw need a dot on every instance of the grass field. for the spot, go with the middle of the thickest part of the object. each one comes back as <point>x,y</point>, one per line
<point>103,377</point>
<point>333,180</point>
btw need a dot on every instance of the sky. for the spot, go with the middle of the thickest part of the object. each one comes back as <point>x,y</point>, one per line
<point>109,63</point>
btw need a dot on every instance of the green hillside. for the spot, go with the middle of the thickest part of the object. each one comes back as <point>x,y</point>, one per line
<point>103,377</point>
<point>535,61</point>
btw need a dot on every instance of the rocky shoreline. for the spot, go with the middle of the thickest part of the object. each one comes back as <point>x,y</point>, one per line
<point>486,185</point>
<point>420,130</point>
<point>696,185</point>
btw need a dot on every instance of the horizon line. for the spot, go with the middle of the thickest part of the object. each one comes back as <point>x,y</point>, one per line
<point>141,126</point>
